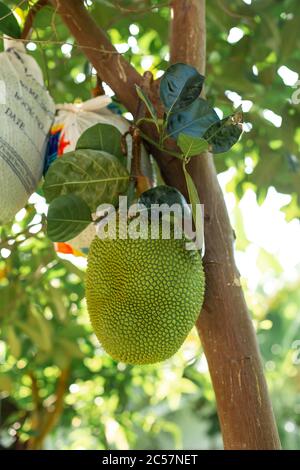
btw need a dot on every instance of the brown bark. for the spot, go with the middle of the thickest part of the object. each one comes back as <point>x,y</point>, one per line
<point>47,419</point>
<point>189,47</point>
<point>110,65</point>
<point>225,328</point>
<point>31,17</point>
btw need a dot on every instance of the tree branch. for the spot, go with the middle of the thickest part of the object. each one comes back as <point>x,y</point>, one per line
<point>52,416</point>
<point>35,416</point>
<point>31,17</point>
<point>98,90</point>
<point>191,45</point>
<point>110,65</point>
<point>224,326</point>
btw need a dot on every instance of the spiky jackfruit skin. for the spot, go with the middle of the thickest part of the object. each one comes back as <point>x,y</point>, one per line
<point>143,296</point>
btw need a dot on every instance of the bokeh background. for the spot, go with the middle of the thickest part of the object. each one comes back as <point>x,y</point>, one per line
<point>58,389</point>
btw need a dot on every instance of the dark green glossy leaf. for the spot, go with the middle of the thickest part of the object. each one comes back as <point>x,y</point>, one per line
<point>193,121</point>
<point>102,137</point>
<point>97,177</point>
<point>8,22</point>
<point>224,134</point>
<point>180,86</point>
<point>163,195</point>
<point>191,146</point>
<point>67,217</point>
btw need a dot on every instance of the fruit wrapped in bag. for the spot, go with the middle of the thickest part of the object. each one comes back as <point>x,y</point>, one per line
<point>71,121</point>
<point>26,115</point>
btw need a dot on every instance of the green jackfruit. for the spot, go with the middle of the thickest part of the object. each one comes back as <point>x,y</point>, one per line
<point>143,296</point>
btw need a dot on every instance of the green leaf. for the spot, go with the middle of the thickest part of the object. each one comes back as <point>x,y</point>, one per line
<point>67,217</point>
<point>147,103</point>
<point>43,326</point>
<point>13,342</point>
<point>6,383</point>
<point>103,137</point>
<point>61,359</point>
<point>194,201</point>
<point>224,134</point>
<point>180,86</point>
<point>70,348</point>
<point>193,121</point>
<point>107,3</point>
<point>242,241</point>
<point>267,261</point>
<point>146,120</point>
<point>33,334</point>
<point>191,146</point>
<point>8,22</point>
<point>96,177</point>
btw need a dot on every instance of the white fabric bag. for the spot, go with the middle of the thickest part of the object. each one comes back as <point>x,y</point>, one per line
<point>70,122</point>
<point>26,115</point>
<point>73,119</point>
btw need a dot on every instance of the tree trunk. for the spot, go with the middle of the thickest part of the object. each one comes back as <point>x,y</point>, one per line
<point>224,326</point>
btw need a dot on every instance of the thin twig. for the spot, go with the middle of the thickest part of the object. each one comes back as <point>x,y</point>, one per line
<point>12,11</point>
<point>36,421</point>
<point>232,13</point>
<point>60,43</point>
<point>44,60</point>
<point>125,10</point>
<point>31,17</point>
<point>5,242</point>
<point>53,415</point>
<point>146,87</point>
<point>98,90</point>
